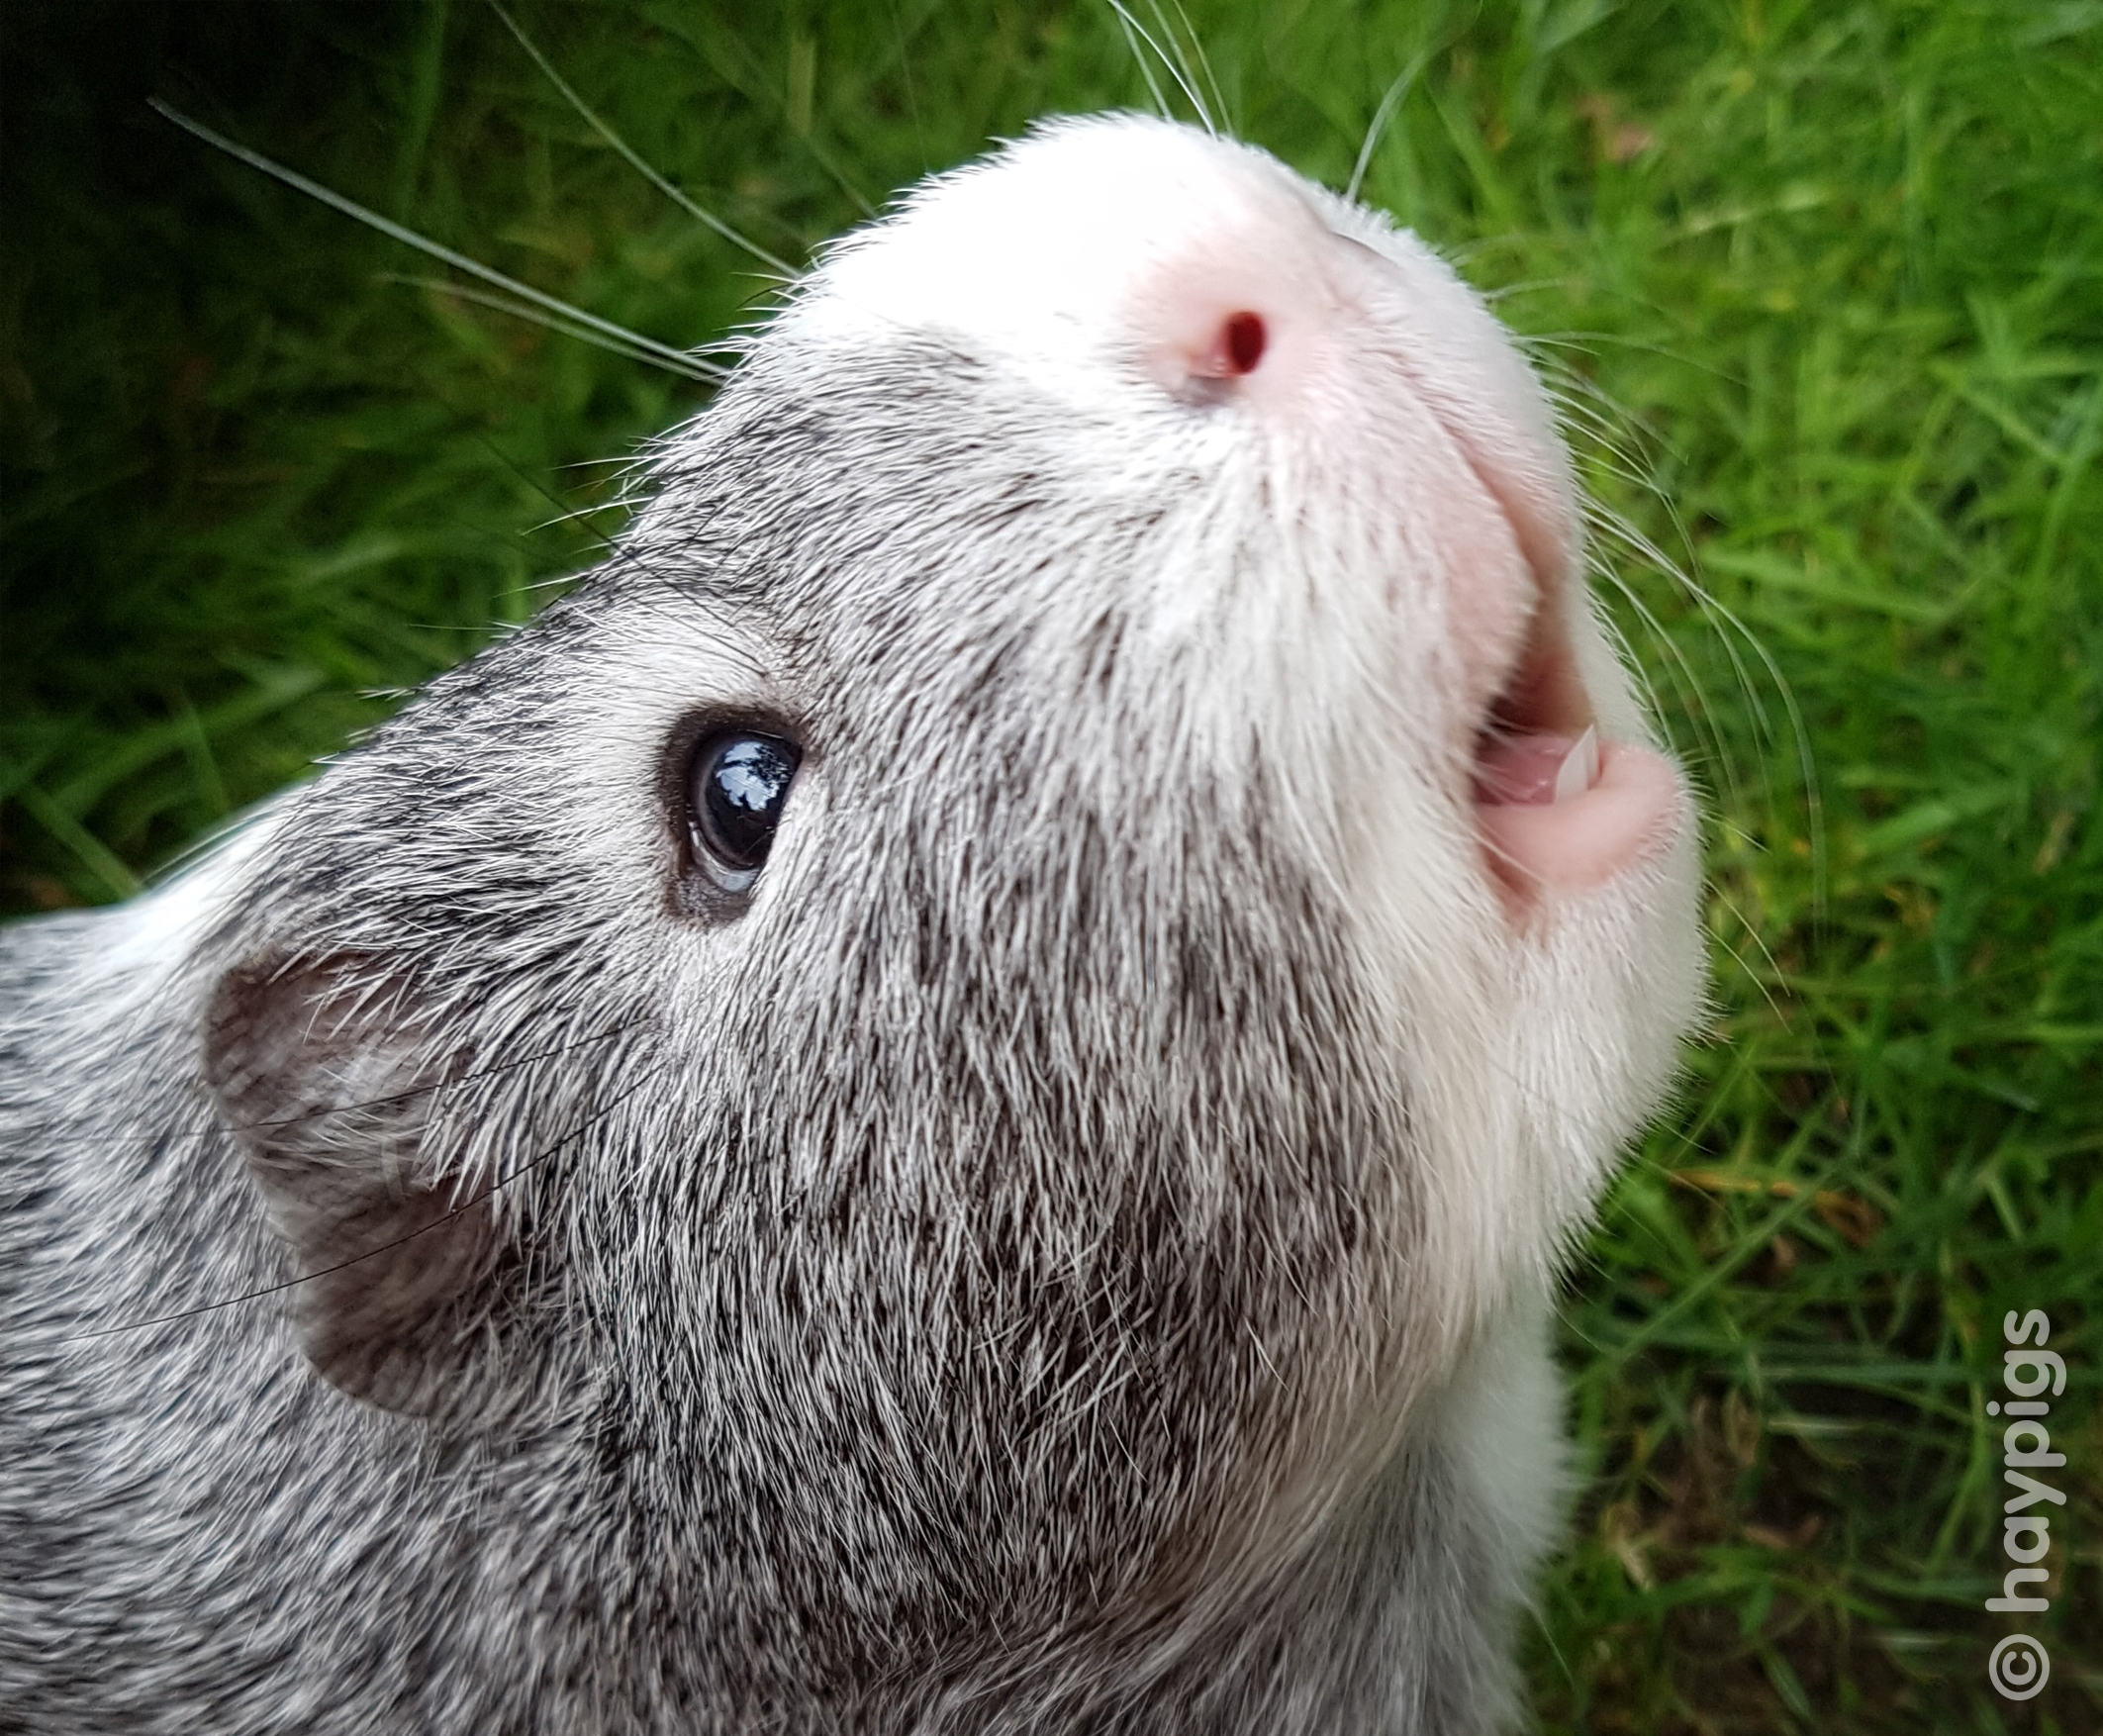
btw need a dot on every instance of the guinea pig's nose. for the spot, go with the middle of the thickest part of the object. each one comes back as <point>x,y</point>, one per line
<point>1207,341</point>
<point>1236,347</point>
<point>1242,294</point>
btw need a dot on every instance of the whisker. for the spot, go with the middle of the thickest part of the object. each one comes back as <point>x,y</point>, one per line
<point>912,102</point>
<point>1204,65</point>
<point>1731,631</point>
<point>1584,342</point>
<point>619,555</point>
<point>1384,113</point>
<point>1525,286</point>
<point>1625,460</point>
<point>1132,25</point>
<point>665,352</point>
<point>1806,761</point>
<point>1146,66</point>
<point>677,195</point>
<point>706,372</point>
<point>1613,523</point>
<point>495,1070</point>
<point>449,1217</point>
<point>1761,946</point>
<point>1690,682</point>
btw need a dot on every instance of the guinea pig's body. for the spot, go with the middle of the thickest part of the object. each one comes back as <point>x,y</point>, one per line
<point>1064,1243</point>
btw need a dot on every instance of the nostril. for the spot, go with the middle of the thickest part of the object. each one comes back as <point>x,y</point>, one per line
<point>1236,347</point>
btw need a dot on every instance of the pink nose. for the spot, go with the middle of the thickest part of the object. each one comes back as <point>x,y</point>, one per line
<point>1236,349</point>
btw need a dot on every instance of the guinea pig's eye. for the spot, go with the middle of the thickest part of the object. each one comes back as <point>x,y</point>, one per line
<point>736,784</point>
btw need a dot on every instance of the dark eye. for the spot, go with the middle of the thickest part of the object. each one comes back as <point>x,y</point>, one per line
<point>735,787</point>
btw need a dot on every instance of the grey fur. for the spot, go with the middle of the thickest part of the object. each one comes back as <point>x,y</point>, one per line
<point>990,1284</point>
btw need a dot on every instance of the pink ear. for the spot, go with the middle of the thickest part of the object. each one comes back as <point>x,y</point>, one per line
<point>326,1075</point>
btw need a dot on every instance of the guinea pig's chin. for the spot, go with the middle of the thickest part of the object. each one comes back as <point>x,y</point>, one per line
<point>1550,829</point>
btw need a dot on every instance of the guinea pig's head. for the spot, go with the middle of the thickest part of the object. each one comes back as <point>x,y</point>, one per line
<point>1076,904</point>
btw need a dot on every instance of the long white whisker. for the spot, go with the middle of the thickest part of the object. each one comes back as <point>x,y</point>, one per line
<point>1806,762</point>
<point>677,195</point>
<point>1614,524</point>
<point>1204,65</point>
<point>1525,286</point>
<point>1774,1005</point>
<point>1195,101</point>
<point>677,358</point>
<point>705,372</point>
<point>1800,736</point>
<point>1684,675</point>
<point>1146,66</point>
<point>1570,391</point>
<point>1389,103</point>
<point>1608,523</point>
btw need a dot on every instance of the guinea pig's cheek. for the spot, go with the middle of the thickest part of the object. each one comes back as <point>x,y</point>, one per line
<point>1580,843</point>
<point>1483,576</point>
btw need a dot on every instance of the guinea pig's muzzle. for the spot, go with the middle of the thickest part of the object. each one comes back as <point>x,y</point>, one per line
<point>1561,809</point>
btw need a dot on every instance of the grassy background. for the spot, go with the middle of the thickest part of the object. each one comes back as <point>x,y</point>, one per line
<point>1823,286</point>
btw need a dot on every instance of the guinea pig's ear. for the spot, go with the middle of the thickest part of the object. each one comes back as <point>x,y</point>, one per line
<point>330,1078</point>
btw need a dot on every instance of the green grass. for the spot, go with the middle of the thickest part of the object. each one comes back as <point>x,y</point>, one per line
<point>1831,274</point>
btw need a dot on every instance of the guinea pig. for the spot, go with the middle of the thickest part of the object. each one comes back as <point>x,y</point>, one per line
<point>948,1099</point>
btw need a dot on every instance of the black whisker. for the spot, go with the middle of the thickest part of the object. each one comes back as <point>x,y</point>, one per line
<point>451,1216</point>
